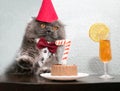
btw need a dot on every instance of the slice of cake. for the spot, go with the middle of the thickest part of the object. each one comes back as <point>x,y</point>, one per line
<point>64,70</point>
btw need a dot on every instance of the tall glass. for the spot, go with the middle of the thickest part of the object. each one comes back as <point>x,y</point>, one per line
<point>105,54</point>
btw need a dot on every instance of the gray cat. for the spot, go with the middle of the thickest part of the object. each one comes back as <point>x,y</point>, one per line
<point>32,60</point>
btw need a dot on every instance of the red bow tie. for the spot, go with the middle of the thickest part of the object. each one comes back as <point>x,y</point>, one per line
<point>42,43</point>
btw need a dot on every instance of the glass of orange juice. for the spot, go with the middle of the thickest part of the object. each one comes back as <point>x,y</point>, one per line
<point>105,53</point>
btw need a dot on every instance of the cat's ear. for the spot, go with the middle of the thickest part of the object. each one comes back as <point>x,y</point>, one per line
<point>33,18</point>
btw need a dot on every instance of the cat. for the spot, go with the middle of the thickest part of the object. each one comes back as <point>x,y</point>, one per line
<point>32,60</point>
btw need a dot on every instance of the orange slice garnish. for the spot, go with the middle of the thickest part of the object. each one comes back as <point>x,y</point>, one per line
<point>97,30</point>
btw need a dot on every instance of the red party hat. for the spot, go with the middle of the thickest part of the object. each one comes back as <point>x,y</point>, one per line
<point>47,12</point>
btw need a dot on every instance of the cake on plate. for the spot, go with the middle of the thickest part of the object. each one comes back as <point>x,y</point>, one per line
<point>64,70</point>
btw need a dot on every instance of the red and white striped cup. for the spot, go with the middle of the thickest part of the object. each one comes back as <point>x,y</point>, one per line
<point>67,44</point>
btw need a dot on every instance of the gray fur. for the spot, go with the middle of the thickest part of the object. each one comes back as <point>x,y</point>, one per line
<point>30,59</point>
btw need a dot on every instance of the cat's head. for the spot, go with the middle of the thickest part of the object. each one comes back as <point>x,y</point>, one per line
<point>50,31</point>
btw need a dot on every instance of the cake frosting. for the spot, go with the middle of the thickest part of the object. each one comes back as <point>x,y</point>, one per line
<point>64,70</point>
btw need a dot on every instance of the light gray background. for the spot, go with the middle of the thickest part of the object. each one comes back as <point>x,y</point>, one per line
<point>78,16</point>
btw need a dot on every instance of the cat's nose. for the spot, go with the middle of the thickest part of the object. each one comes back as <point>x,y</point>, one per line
<point>48,31</point>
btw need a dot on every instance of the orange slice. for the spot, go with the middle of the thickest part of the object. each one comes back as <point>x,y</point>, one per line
<point>97,30</point>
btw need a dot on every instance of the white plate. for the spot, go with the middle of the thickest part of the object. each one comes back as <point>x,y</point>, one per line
<point>63,78</point>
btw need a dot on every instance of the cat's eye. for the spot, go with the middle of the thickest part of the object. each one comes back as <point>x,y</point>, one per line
<point>55,28</point>
<point>42,25</point>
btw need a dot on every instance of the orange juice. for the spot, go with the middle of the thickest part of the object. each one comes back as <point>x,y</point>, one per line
<point>105,50</point>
